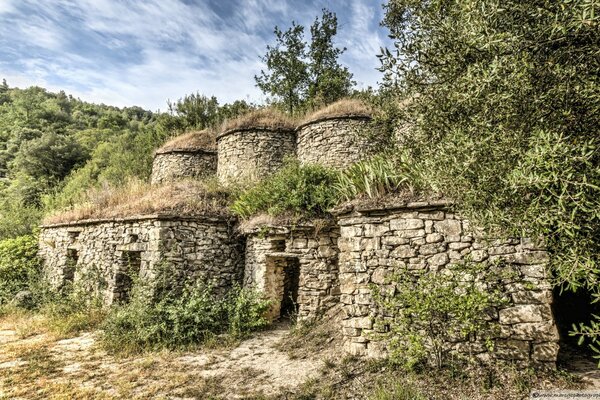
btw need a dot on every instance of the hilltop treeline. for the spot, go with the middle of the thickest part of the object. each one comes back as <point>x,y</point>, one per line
<point>54,147</point>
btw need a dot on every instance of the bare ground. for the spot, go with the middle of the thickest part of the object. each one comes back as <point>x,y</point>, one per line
<point>45,367</point>
<point>274,364</point>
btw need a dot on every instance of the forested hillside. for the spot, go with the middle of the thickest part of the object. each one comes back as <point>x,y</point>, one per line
<point>54,147</point>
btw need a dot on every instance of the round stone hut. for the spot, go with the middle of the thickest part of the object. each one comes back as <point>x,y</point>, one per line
<point>336,136</point>
<point>254,146</point>
<point>192,155</point>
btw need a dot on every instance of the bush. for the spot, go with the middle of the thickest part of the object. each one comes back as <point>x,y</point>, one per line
<point>181,318</point>
<point>504,100</point>
<point>430,312</point>
<point>301,190</point>
<point>19,266</point>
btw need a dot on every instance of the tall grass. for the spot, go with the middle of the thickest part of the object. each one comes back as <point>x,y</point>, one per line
<point>376,177</point>
<point>138,198</point>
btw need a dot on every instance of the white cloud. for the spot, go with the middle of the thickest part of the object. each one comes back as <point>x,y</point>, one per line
<point>175,48</point>
<point>6,6</point>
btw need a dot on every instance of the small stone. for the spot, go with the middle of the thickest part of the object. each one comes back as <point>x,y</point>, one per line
<point>545,352</point>
<point>432,248</point>
<point>448,227</point>
<point>357,349</point>
<point>540,331</point>
<point>512,349</point>
<point>434,238</point>
<point>360,323</point>
<point>438,260</point>
<point>459,246</point>
<point>525,313</point>
<point>479,255</point>
<point>532,297</point>
<point>405,251</point>
<point>406,224</point>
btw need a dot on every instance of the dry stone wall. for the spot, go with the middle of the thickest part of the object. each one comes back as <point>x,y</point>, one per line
<point>272,252</point>
<point>103,253</point>
<point>425,238</point>
<point>334,142</point>
<point>252,154</point>
<point>177,164</point>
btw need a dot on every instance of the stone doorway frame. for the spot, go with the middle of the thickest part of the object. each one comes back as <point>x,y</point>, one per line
<point>281,270</point>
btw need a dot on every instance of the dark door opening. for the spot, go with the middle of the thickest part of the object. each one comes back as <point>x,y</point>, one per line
<point>291,281</point>
<point>282,278</point>
<point>69,269</point>
<point>126,275</point>
<point>573,308</point>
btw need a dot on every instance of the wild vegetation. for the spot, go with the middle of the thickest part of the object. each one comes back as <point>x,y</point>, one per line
<point>504,99</point>
<point>496,105</point>
<point>301,76</point>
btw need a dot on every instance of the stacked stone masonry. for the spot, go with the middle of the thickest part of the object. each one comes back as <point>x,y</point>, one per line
<point>426,237</point>
<point>172,165</point>
<point>252,154</point>
<point>334,142</point>
<point>100,251</point>
<point>268,258</point>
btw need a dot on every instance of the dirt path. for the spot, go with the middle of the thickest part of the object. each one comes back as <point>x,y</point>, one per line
<point>580,364</point>
<point>42,367</point>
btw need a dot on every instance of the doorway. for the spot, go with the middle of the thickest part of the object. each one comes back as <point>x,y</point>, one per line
<point>282,280</point>
<point>126,275</point>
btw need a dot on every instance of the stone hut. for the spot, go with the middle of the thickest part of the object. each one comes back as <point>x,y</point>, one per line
<point>426,237</point>
<point>192,155</point>
<point>335,137</point>
<point>295,266</point>
<point>254,146</point>
<point>111,253</point>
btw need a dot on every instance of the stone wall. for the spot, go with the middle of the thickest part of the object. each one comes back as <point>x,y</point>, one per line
<point>426,237</point>
<point>268,255</point>
<point>334,142</point>
<point>252,154</point>
<point>171,165</point>
<point>105,251</point>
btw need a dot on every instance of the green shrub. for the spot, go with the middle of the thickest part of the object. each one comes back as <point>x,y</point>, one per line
<point>181,318</point>
<point>376,177</point>
<point>70,311</point>
<point>397,391</point>
<point>301,190</point>
<point>19,266</point>
<point>430,312</point>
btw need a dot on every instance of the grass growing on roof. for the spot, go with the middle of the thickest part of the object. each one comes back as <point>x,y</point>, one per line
<point>263,118</point>
<point>204,139</point>
<point>341,108</point>
<point>188,197</point>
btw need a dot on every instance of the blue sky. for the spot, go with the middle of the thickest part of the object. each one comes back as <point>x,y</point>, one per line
<point>142,53</point>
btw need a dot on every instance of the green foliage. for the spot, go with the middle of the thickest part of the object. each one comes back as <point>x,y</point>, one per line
<point>287,74</point>
<point>329,81</point>
<point>397,391</point>
<point>375,177</point>
<point>589,334</point>
<point>51,157</point>
<point>196,111</point>
<point>181,318</point>
<point>54,148</point>
<point>19,266</point>
<point>71,310</point>
<point>301,78</point>
<point>429,312</point>
<point>504,113</point>
<point>301,190</point>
